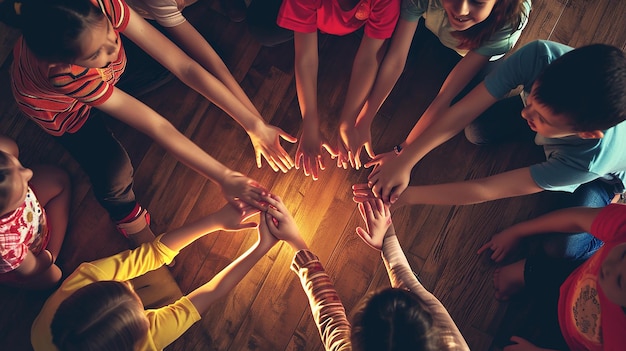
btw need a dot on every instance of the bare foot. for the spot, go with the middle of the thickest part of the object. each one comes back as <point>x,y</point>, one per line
<point>509,280</point>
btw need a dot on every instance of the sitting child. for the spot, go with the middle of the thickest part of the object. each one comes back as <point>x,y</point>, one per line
<point>97,308</point>
<point>586,299</point>
<point>34,208</point>
<point>415,319</point>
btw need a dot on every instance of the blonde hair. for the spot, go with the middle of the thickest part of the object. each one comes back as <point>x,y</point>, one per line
<point>102,316</point>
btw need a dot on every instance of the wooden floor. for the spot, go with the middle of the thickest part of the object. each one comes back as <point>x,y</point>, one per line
<point>268,310</point>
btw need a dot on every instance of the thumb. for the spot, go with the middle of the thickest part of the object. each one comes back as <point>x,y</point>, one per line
<point>370,152</point>
<point>288,137</point>
<point>333,153</point>
<point>248,225</point>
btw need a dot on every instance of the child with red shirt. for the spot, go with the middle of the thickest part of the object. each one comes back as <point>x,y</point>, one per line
<point>34,209</point>
<point>69,59</point>
<point>592,298</point>
<point>377,18</point>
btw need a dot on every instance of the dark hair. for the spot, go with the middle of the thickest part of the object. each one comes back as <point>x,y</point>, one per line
<point>103,316</point>
<point>392,320</point>
<point>587,86</point>
<point>505,14</point>
<point>51,28</point>
<point>4,186</point>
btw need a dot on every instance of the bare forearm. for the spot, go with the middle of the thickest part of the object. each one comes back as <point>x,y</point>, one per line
<point>141,117</point>
<point>569,220</point>
<point>503,185</point>
<point>180,238</point>
<point>390,70</point>
<point>192,42</point>
<point>362,77</point>
<point>227,278</point>
<point>433,130</point>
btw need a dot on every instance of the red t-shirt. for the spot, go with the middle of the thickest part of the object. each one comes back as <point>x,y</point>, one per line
<point>307,16</point>
<point>589,321</point>
<point>58,99</point>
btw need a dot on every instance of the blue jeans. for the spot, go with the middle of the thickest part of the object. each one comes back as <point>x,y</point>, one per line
<point>577,246</point>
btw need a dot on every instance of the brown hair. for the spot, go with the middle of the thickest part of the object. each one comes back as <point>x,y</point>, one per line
<point>505,14</point>
<point>393,320</point>
<point>102,316</point>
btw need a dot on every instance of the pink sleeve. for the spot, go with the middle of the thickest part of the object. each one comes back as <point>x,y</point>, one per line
<point>299,16</point>
<point>382,19</point>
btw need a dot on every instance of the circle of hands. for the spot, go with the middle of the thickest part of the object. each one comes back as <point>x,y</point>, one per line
<point>388,179</point>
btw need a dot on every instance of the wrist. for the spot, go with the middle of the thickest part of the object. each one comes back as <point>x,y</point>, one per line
<point>298,244</point>
<point>255,126</point>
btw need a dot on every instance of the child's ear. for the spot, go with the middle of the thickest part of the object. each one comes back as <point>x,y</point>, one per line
<point>594,134</point>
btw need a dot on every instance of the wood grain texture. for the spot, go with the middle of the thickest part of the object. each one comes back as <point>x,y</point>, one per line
<point>268,310</point>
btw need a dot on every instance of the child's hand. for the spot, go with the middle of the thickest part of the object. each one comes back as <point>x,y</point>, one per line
<point>522,344</point>
<point>351,141</point>
<point>232,218</point>
<point>501,244</point>
<point>309,153</point>
<point>362,193</point>
<point>281,223</point>
<point>265,234</point>
<point>377,220</point>
<point>266,143</point>
<point>390,176</point>
<point>240,190</point>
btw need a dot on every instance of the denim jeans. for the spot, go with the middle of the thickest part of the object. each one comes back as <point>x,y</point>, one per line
<point>577,246</point>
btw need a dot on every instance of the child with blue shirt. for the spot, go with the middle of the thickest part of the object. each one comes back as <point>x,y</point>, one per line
<point>575,100</point>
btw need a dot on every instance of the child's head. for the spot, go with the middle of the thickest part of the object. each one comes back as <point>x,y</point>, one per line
<point>586,87</point>
<point>392,319</point>
<point>62,31</point>
<point>13,182</point>
<point>475,22</point>
<point>612,275</point>
<point>103,316</point>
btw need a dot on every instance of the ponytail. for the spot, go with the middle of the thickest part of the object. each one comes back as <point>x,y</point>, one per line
<point>51,28</point>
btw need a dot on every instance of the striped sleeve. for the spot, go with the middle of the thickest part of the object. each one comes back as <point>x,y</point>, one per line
<point>326,307</point>
<point>402,276</point>
<point>116,10</point>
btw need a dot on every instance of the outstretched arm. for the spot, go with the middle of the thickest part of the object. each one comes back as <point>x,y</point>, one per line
<point>309,153</point>
<point>192,73</point>
<point>388,74</point>
<point>227,278</point>
<point>136,114</point>
<point>265,138</point>
<point>381,235</point>
<point>390,178</point>
<point>517,182</point>
<point>568,220</point>
<point>326,307</point>
<point>364,71</point>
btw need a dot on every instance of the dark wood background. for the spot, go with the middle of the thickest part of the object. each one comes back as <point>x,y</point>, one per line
<point>268,310</point>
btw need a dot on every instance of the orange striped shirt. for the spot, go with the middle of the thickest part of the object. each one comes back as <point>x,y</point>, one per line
<point>59,98</point>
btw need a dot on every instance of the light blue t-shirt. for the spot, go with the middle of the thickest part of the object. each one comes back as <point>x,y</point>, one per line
<point>570,161</point>
<point>436,21</point>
